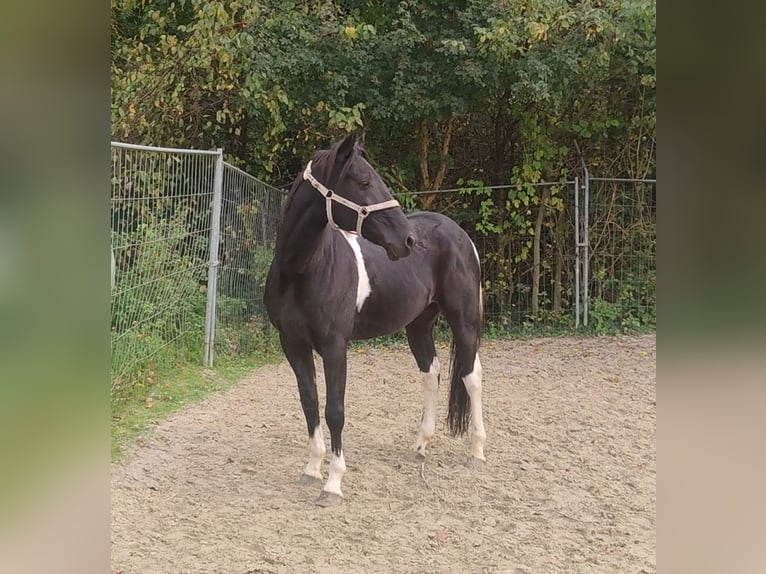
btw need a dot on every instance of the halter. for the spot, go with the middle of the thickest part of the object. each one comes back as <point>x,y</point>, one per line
<point>362,211</point>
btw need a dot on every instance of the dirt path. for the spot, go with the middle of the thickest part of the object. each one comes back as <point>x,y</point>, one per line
<point>569,486</point>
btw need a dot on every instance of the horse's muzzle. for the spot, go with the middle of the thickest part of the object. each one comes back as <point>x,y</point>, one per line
<point>398,252</point>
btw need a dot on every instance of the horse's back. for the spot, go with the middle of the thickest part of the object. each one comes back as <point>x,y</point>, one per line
<point>434,229</point>
<point>431,219</point>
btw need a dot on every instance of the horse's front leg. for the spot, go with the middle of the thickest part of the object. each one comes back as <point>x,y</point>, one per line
<point>299,355</point>
<point>334,359</point>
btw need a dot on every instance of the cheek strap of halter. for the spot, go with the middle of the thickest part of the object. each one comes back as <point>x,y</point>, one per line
<point>362,211</point>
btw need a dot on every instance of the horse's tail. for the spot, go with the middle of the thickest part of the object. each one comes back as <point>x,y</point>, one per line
<point>462,359</point>
<point>462,363</point>
<point>459,413</point>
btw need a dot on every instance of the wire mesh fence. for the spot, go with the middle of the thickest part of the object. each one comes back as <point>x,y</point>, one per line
<point>163,203</point>
<point>527,254</point>
<point>622,240</point>
<point>558,256</point>
<point>192,240</point>
<point>160,225</point>
<point>250,213</point>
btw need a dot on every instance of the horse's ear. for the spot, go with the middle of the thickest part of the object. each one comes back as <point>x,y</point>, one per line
<point>353,142</point>
<point>359,143</point>
<point>346,148</point>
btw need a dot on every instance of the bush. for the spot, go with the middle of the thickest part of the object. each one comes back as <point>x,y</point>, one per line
<point>158,303</point>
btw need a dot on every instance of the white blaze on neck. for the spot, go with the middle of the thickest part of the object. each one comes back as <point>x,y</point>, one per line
<point>363,287</point>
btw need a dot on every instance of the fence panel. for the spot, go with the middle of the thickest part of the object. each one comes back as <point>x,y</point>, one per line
<point>160,227</point>
<point>181,287</point>
<point>622,267</point>
<point>250,213</point>
<point>165,261</point>
<point>523,291</point>
<point>613,267</point>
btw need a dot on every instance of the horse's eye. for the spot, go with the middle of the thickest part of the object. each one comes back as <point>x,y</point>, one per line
<point>365,183</point>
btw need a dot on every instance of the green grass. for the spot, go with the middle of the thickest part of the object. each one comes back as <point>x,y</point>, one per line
<point>137,413</point>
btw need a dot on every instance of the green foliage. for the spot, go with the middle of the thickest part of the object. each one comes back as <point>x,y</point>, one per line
<point>241,324</point>
<point>632,309</point>
<point>158,272</point>
<point>157,300</point>
<point>518,83</point>
<point>270,84</point>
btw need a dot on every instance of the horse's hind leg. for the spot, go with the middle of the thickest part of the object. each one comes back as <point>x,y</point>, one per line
<point>421,339</point>
<point>465,386</point>
<point>299,355</point>
<point>472,383</point>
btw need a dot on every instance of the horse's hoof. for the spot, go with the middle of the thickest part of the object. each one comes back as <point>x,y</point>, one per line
<point>308,480</point>
<point>326,499</point>
<point>416,455</point>
<point>419,450</point>
<point>476,463</point>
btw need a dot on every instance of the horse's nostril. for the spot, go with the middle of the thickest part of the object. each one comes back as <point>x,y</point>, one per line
<point>410,241</point>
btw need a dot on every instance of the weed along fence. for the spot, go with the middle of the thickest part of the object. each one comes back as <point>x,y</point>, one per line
<point>191,238</point>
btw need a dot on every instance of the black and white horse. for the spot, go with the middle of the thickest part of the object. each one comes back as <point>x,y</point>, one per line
<point>350,265</point>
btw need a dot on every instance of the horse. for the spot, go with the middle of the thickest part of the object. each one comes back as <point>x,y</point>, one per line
<point>350,265</point>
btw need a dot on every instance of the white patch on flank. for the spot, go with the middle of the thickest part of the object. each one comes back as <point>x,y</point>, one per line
<point>430,385</point>
<point>472,382</point>
<point>475,252</point>
<point>363,287</point>
<point>481,291</point>
<point>316,454</point>
<point>337,470</point>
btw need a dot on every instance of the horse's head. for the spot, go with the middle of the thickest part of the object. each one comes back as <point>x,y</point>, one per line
<point>357,200</point>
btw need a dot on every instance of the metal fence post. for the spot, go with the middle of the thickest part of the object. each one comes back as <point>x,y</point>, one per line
<point>577,250</point>
<point>212,274</point>
<point>585,243</point>
<point>586,250</point>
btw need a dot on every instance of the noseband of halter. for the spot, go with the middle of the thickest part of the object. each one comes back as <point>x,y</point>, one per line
<point>362,211</point>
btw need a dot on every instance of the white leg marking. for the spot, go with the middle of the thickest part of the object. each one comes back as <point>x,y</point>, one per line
<point>430,385</point>
<point>472,383</point>
<point>316,454</point>
<point>363,287</point>
<point>337,470</point>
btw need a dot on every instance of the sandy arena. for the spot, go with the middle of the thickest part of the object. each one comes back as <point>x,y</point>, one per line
<point>569,484</point>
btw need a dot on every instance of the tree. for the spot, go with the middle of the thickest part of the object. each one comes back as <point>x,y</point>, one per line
<point>473,94</point>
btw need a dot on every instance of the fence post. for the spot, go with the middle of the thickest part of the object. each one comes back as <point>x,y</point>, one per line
<point>586,250</point>
<point>212,273</point>
<point>577,250</point>
<point>585,243</point>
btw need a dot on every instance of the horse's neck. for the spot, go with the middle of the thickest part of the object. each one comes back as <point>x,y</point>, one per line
<point>300,233</point>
